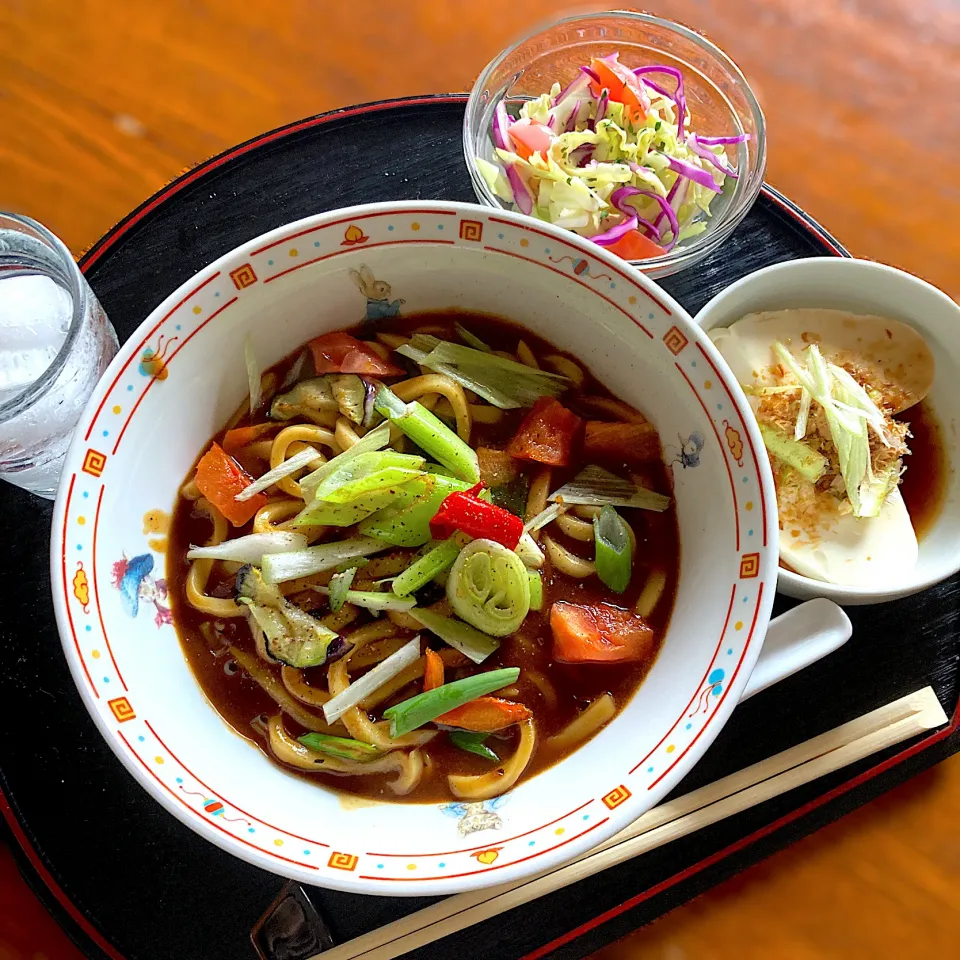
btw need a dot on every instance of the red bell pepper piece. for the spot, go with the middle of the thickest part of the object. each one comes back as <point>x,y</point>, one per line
<point>598,633</point>
<point>466,512</point>
<point>546,434</point>
<point>341,353</point>
<point>220,478</point>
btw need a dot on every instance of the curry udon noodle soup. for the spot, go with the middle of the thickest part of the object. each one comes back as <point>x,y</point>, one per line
<point>456,566</point>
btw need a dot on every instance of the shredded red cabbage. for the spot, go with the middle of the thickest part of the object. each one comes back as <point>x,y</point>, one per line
<point>581,155</point>
<point>696,174</point>
<point>708,155</point>
<point>602,105</point>
<point>573,88</point>
<point>715,141</point>
<point>571,123</point>
<point>678,97</point>
<point>591,73</point>
<point>619,199</point>
<point>615,233</point>
<point>668,212</point>
<point>670,195</point>
<point>521,194</point>
<point>653,85</point>
<point>501,126</point>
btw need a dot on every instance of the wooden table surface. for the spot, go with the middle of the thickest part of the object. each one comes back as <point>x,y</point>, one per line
<point>103,101</point>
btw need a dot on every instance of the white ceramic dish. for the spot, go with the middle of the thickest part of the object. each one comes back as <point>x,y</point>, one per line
<point>865,287</point>
<point>179,377</point>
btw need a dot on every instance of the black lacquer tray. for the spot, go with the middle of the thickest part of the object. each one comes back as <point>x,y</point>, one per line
<point>127,880</point>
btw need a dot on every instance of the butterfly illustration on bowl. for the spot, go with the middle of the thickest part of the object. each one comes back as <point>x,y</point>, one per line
<point>476,816</point>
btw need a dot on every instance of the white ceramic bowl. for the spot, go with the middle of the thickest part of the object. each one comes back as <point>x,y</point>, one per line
<point>175,382</point>
<point>865,287</point>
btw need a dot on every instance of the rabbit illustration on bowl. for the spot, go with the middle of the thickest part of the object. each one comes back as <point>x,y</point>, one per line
<point>377,293</point>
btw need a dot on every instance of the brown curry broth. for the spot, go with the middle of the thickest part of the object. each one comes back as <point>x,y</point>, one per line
<point>924,482</point>
<point>239,700</point>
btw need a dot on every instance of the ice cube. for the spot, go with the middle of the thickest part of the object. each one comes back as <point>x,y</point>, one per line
<point>35,314</point>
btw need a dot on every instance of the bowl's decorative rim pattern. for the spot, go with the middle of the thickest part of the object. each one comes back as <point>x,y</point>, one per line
<point>145,362</point>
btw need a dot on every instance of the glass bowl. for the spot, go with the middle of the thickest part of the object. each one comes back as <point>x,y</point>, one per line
<point>719,98</point>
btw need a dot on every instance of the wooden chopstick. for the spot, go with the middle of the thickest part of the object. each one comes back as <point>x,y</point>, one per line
<point>837,748</point>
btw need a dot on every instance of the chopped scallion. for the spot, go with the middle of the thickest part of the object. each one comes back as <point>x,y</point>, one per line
<point>459,635</point>
<point>432,563</point>
<point>473,743</point>
<point>280,567</point>
<point>430,434</point>
<point>342,747</point>
<point>614,558</point>
<point>339,588</point>
<point>427,706</point>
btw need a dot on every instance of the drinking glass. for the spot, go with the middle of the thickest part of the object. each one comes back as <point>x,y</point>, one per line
<point>55,342</point>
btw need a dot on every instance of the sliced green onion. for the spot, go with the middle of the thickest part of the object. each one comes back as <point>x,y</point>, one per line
<point>809,463</point>
<point>431,564</point>
<point>430,434</point>
<point>253,375</point>
<point>372,681</point>
<point>368,473</point>
<point>595,487</point>
<point>499,399</point>
<point>339,588</point>
<point>297,462</point>
<point>427,706</point>
<point>342,747</point>
<point>447,352</point>
<point>548,515</point>
<point>530,553</point>
<point>488,588</point>
<point>279,567</point>
<point>251,548</point>
<point>470,339</point>
<point>473,743</point>
<point>409,524</point>
<point>439,470</point>
<point>459,635</point>
<point>614,559</point>
<point>370,600</point>
<point>319,513</point>
<point>374,440</point>
<point>800,428</point>
<point>848,410</point>
<point>536,589</point>
<point>505,383</point>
